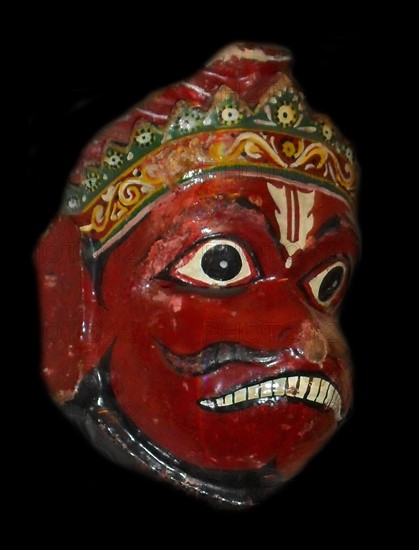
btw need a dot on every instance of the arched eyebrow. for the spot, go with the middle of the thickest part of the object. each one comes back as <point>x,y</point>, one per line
<point>329,226</point>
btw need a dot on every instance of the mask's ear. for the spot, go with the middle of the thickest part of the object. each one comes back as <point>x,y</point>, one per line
<point>76,332</point>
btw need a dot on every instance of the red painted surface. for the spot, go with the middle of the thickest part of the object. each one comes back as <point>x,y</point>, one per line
<point>124,301</point>
<point>251,79</point>
<point>270,313</point>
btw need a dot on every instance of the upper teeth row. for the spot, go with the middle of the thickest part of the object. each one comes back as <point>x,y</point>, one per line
<point>309,388</point>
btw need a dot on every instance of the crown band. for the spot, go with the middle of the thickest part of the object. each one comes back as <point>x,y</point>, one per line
<point>280,137</point>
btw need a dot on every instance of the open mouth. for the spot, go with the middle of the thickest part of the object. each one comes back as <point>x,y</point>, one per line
<point>313,391</point>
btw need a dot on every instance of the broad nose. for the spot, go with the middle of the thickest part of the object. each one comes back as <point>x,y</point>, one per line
<point>307,338</point>
<point>294,323</point>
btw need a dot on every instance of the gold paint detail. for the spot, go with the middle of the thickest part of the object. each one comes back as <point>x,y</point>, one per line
<point>183,158</point>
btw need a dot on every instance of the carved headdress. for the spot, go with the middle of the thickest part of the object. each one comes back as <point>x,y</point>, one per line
<point>242,113</point>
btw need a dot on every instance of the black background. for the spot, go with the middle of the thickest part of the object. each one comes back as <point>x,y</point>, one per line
<point>344,485</point>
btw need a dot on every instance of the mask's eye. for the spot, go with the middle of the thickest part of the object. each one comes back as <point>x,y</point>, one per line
<point>326,286</point>
<point>217,263</point>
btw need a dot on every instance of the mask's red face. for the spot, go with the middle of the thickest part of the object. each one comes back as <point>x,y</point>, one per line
<point>224,299</point>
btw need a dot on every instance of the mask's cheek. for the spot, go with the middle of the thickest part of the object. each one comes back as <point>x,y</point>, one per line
<point>337,344</point>
<point>302,441</point>
<point>183,321</point>
<point>159,401</point>
<point>338,351</point>
<point>163,404</point>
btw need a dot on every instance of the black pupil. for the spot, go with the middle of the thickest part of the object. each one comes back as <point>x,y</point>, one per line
<point>222,262</point>
<point>330,283</point>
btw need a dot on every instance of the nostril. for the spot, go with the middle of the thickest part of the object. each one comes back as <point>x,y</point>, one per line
<point>313,343</point>
<point>285,334</point>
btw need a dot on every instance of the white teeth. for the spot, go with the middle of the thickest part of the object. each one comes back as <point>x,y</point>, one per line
<point>228,399</point>
<point>334,400</point>
<point>279,386</point>
<point>319,391</point>
<point>322,392</point>
<point>302,388</point>
<point>330,396</point>
<point>253,392</point>
<point>266,389</point>
<point>240,395</point>
<point>208,403</point>
<point>292,385</point>
<point>314,388</point>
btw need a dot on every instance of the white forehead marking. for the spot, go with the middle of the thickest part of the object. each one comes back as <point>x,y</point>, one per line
<point>293,216</point>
